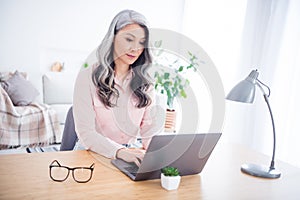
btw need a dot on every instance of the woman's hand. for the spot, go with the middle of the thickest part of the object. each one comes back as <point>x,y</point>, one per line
<point>131,155</point>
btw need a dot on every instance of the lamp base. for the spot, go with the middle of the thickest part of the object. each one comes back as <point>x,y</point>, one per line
<point>260,171</point>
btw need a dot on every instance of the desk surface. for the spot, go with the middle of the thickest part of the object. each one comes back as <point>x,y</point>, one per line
<point>26,176</point>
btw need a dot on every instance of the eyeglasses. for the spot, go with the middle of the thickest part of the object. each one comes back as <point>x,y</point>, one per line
<point>80,174</point>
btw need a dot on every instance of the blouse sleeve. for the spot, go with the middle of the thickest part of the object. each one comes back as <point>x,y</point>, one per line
<point>154,118</point>
<point>85,117</point>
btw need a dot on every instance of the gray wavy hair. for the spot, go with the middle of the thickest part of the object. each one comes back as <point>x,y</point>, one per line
<point>103,75</point>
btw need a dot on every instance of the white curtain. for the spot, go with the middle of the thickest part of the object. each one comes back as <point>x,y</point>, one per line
<point>286,81</point>
<point>270,42</point>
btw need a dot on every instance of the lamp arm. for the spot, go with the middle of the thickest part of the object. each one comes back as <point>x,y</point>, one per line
<point>263,91</point>
<point>272,165</point>
<point>266,97</point>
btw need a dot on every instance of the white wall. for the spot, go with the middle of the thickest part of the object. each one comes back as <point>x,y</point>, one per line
<point>217,26</point>
<point>36,33</point>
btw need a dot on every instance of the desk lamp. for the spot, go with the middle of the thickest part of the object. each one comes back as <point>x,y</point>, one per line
<point>244,92</point>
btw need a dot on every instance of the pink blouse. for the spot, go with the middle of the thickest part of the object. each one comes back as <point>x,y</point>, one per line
<point>104,129</point>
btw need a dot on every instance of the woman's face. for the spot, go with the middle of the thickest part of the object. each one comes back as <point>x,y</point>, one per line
<point>129,44</point>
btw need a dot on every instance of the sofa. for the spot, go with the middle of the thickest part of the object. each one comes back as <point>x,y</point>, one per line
<point>27,121</point>
<point>58,93</point>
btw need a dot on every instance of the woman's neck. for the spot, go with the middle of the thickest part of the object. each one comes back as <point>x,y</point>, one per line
<point>121,71</point>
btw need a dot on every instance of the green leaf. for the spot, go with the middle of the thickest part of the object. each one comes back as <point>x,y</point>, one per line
<point>159,79</point>
<point>169,94</point>
<point>166,85</point>
<point>176,84</point>
<point>158,43</point>
<point>187,82</point>
<point>166,75</point>
<point>180,69</point>
<point>183,94</point>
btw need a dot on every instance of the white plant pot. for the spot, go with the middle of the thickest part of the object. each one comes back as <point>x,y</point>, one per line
<point>170,182</point>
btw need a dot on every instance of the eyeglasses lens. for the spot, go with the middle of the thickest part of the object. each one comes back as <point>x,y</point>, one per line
<point>59,173</point>
<point>82,174</point>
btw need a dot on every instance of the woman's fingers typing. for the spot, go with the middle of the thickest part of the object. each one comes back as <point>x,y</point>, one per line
<point>131,155</point>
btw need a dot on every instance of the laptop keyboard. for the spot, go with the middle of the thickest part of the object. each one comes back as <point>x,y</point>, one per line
<point>132,169</point>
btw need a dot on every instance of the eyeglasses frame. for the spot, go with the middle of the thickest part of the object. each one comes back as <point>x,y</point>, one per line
<point>70,169</point>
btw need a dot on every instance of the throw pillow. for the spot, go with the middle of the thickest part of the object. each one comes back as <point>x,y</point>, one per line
<point>20,90</point>
<point>58,87</point>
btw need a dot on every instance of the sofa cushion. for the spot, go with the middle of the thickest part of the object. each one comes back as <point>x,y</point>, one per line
<point>61,111</point>
<point>20,90</point>
<point>5,75</point>
<point>58,87</point>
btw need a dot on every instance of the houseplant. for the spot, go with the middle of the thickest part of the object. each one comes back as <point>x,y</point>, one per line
<point>169,79</point>
<point>170,178</point>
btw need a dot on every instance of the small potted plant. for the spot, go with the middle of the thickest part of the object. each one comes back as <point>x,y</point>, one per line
<point>170,178</point>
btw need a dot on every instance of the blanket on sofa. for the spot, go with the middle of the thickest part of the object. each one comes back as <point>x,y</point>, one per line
<point>32,125</point>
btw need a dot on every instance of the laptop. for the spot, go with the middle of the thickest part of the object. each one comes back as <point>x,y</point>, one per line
<point>188,152</point>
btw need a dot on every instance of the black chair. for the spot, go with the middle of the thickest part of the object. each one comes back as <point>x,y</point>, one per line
<point>69,137</point>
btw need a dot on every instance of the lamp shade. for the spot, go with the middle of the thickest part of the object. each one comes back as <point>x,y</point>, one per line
<point>244,91</point>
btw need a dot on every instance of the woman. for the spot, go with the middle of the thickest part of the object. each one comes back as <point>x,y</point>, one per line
<point>114,101</point>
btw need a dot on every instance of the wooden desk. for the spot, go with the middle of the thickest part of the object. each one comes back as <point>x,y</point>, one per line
<point>26,176</point>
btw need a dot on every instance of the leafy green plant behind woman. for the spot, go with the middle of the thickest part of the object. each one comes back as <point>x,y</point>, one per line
<point>169,77</point>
